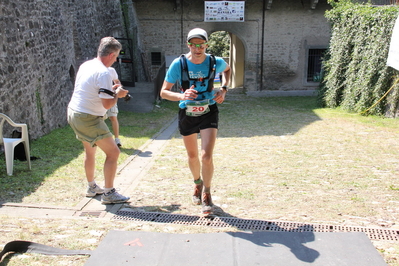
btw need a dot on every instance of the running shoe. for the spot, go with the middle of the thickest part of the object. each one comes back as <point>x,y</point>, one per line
<point>197,193</point>
<point>118,142</point>
<point>207,205</point>
<point>113,197</point>
<point>94,190</point>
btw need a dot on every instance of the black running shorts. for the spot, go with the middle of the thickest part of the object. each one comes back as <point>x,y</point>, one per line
<point>193,124</point>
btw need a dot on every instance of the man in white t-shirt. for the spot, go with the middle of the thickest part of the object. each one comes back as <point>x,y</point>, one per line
<point>93,95</point>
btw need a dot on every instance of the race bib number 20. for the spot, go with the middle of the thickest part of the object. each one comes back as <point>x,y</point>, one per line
<point>197,108</point>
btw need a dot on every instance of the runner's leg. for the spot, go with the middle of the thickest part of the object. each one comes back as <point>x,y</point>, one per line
<point>208,140</point>
<point>191,144</point>
<point>115,125</point>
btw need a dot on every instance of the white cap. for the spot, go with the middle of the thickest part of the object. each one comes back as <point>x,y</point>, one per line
<point>197,33</point>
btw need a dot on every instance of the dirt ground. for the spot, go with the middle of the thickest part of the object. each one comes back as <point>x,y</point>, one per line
<point>276,159</point>
<point>282,160</point>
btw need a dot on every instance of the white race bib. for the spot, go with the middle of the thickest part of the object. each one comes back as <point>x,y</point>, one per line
<point>197,108</point>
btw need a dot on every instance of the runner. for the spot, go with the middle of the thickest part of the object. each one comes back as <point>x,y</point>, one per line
<point>198,111</point>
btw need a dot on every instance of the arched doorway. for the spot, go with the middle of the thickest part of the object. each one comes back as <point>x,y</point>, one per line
<point>235,54</point>
<point>237,61</point>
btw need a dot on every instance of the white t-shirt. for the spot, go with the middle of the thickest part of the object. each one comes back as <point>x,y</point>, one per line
<point>113,72</point>
<point>91,77</point>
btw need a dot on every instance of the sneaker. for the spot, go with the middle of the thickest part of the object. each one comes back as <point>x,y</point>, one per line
<point>118,142</point>
<point>207,205</point>
<point>113,197</point>
<point>93,191</point>
<point>197,193</point>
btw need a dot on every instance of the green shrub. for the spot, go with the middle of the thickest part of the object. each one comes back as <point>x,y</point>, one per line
<point>355,72</point>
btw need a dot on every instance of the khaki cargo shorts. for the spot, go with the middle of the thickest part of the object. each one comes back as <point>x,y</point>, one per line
<point>89,128</point>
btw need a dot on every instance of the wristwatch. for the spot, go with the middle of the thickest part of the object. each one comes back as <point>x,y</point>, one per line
<point>224,88</point>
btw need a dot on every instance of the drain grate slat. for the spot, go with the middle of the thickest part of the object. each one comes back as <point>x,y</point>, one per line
<point>256,225</point>
<point>91,213</point>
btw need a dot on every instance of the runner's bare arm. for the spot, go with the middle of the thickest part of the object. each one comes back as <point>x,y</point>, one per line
<point>167,94</point>
<point>226,76</point>
<point>221,94</point>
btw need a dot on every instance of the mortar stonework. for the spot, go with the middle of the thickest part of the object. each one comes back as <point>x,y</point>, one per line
<point>42,44</point>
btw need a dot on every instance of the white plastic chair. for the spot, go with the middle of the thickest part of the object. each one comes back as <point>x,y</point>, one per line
<point>10,143</point>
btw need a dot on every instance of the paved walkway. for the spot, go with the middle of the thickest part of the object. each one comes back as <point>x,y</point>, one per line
<point>143,98</point>
<point>128,175</point>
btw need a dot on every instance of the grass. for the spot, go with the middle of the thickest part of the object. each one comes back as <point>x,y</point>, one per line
<point>60,167</point>
<point>275,159</point>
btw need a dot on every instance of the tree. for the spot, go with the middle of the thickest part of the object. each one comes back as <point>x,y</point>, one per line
<point>219,44</point>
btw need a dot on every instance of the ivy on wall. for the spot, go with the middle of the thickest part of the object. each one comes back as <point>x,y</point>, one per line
<point>355,72</point>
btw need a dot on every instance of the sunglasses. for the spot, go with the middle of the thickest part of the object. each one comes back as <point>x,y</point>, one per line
<point>202,45</point>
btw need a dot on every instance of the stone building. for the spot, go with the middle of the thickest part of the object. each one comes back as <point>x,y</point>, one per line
<point>275,50</point>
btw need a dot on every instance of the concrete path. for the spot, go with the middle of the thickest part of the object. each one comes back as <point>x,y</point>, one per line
<point>235,248</point>
<point>142,100</point>
<point>128,174</point>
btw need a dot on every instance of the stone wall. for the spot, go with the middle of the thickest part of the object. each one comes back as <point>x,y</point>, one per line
<point>42,44</point>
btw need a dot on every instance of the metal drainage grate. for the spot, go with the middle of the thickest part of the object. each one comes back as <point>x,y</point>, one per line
<point>91,213</point>
<point>257,225</point>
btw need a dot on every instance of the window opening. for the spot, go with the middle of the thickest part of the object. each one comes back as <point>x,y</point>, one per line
<point>315,65</point>
<point>156,58</point>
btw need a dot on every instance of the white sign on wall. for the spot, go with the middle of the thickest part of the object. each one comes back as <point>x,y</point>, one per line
<point>224,11</point>
<point>393,55</point>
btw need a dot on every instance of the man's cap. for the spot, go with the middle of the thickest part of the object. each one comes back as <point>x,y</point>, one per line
<point>197,33</point>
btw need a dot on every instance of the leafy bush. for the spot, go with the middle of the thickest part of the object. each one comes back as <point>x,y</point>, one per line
<point>219,44</point>
<point>355,72</point>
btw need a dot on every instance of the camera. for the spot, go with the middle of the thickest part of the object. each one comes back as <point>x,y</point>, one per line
<point>127,97</point>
